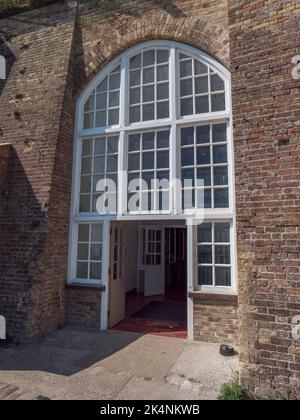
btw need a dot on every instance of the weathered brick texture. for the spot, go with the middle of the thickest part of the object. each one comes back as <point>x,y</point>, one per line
<point>264,36</point>
<point>5,151</point>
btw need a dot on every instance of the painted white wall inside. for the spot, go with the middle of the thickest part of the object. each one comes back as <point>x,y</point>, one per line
<point>131,255</point>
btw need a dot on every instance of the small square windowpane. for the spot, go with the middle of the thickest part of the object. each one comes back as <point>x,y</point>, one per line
<point>221,175</point>
<point>135,96</point>
<point>219,133</point>
<point>222,254</point>
<point>162,73</point>
<point>148,141</point>
<point>135,78</point>
<point>201,85</point>
<point>163,139</point>
<point>83,232</point>
<point>222,232</point>
<point>148,75</point>
<point>187,136</point>
<point>112,144</point>
<point>99,165</point>
<point>186,68</point>
<point>96,232</point>
<point>100,146</point>
<point>221,198</point>
<point>205,254</point>
<point>223,276</point>
<point>217,84</point>
<point>112,163</point>
<point>83,252</point>
<point>148,93</point>
<point>135,62</point>
<point>200,68</point>
<point>90,103</point>
<point>96,252</point>
<point>162,56</point>
<point>203,155</point>
<point>203,134</point>
<point>204,174</point>
<point>205,233</point>
<point>134,142</point>
<point>163,91</point>
<point>207,199</point>
<point>163,160</point>
<point>85,184</point>
<point>87,146</point>
<point>88,120</point>
<point>205,277</point>
<point>86,165</point>
<point>85,204</point>
<point>82,270</point>
<point>134,162</point>
<point>186,87</point>
<point>148,112</point>
<point>113,116</point>
<point>188,177</point>
<point>101,119</point>
<point>220,154</point>
<point>148,160</point>
<point>149,58</point>
<point>202,104</point>
<point>187,156</point>
<point>95,271</point>
<point>187,107</point>
<point>134,114</point>
<point>114,81</point>
<point>114,99</point>
<point>103,86</point>
<point>101,101</point>
<point>163,110</point>
<point>218,102</point>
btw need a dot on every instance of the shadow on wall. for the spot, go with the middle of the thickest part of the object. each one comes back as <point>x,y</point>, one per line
<point>9,59</point>
<point>22,237</point>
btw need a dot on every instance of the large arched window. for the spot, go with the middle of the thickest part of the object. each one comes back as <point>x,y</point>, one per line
<point>158,114</point>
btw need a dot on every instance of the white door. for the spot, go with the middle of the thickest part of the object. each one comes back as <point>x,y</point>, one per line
<point>154,261</point>
<point>116,275</point>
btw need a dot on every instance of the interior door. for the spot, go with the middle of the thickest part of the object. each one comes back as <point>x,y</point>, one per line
<point>116,274</point>
<point>154,261</point>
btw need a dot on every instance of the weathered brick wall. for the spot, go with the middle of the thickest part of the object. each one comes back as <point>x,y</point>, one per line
<point>83,306</point>
<point>5,151</point>
<point>264,36</point>
<point>216,320</point>
<point>36,117</point>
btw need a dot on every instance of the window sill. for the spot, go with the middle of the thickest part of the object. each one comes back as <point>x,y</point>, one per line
<point>214,298</point>
<point>85,286</point>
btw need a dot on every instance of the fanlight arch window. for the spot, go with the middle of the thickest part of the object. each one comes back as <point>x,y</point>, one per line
<point>159,112</point>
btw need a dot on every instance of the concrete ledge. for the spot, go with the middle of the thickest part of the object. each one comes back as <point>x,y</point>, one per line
<point>214,299</point>
<point>82,286</point>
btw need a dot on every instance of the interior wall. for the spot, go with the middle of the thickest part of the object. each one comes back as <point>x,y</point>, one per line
<point>131,255</point>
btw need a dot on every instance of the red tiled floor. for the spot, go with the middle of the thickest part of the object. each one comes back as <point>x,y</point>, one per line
<point>136,301</point>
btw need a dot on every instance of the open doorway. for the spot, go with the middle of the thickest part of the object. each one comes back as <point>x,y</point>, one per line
<point>148,278</point>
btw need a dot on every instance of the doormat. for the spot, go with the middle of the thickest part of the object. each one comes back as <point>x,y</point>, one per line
<point>163,311</point>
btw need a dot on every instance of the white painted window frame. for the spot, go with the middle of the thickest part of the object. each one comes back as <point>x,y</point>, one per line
<point>175,122</point>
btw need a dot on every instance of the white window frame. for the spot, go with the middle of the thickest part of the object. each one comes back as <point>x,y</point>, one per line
<point>175,122</point>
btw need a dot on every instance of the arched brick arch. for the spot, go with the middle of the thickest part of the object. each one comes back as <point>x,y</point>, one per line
<point>210,38</point>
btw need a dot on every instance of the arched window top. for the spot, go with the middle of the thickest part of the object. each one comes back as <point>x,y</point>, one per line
<point>155,81</point>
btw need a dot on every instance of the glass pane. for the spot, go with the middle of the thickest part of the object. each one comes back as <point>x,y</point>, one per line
<point>101,119</point>
<point>134,162</point>
<point>82,270</point>
<point>217,83</point>
<point>149,58</point>
<point>162,56</point>
<point>135,78</point>
<point>219,133</point>
<point>148,141</point>
<point>88,120</point>
<point>223,276</point>
<point>113,116</point>
<point>103,85</point>
<point>112,145</point>
<point>85,185</point>
<point>221,198</point>
<point>112,163</point>
<point>163,139</point>
<point>186,68</point>
<point>163,91</point>
<point>148,93</point>
<point>201,84</point>
<point>100,146</point>
<point>114,99</point>
<point>134,142</point>
<point>114,81</point>
<point>207,199</point>
<point>162,73</point>
<point>220,154</point>
<point>187,136</point>
<point>187,156</point>
<point>89,105</point>
<point>186,87</point>
<point>86,165</point>
<point>148,177</point>
<point>205,175</point>
<point>187,107</point>
<point>83,252</point>
<point>96,233</point>
<point>84,206</point>
<point>135,62</point>
<point>162,160</point>
<point>163,175</point>
<point>148,112</point>
<point>222,232</point>
<point>135,96</point>
<point>200,68</point>
<point>101,101</point>
<point>218,102</point>
<point>221,175</point>
<point>188,174</point>
<point>202,104</point>
<point>148,161</point>
<point>203,155</point>
<point>96,252</point>
<point>83,233</point>
<point>205,277</point>
<point>95,271</point>
<point>134,114</point>
<point>163,110</point>
<point>99,165</point>
<point>203,134</point>
<point>205,254</point>
<point>87,146</point>
<point>205,232</point>
<point>148,75</point>
<point>222,254</point>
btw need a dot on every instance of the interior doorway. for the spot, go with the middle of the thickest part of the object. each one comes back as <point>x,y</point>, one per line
<point>148,279</point>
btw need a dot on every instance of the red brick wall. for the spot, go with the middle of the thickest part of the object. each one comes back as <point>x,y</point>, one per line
<point>264,36</point>
<point>5,150</point>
